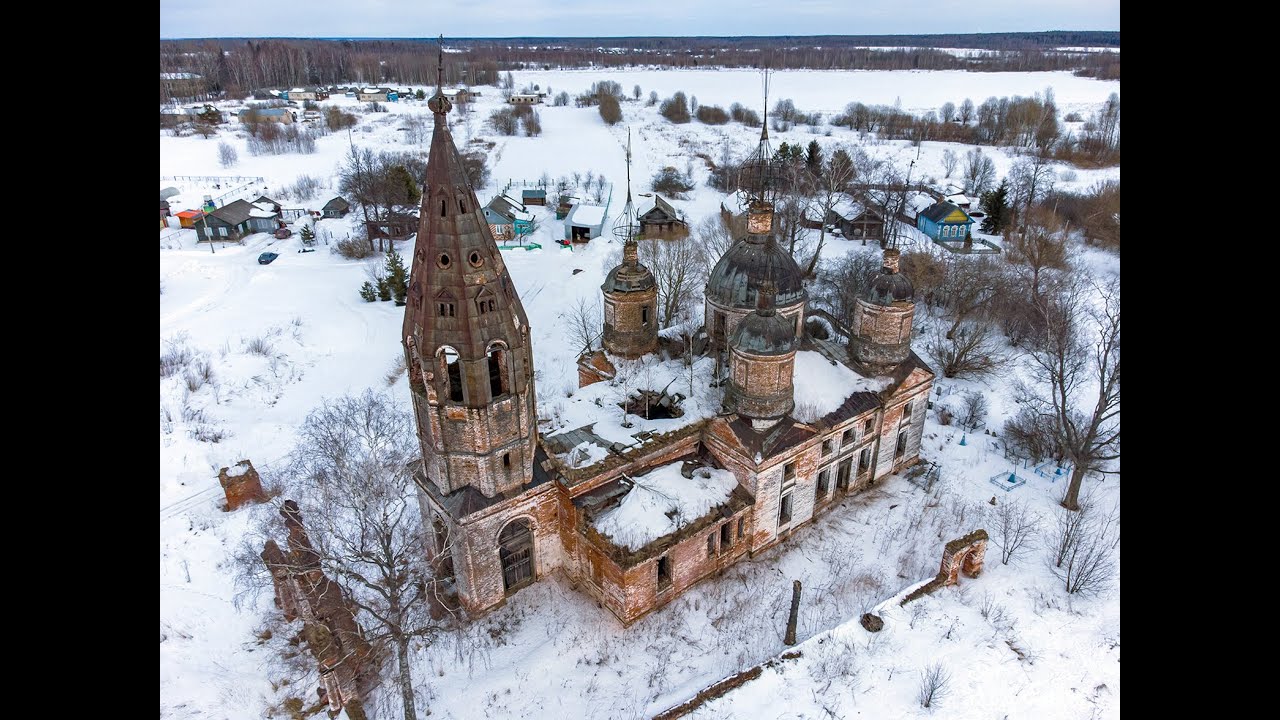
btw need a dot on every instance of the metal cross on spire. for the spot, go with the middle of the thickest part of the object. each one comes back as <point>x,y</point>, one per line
<point>440,67</point>
<point>625,228</point>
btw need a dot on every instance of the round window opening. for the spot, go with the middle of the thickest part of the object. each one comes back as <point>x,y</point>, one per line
<point>444,260</point>
<point>474,258</point>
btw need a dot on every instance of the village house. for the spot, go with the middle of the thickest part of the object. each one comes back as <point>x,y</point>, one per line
<point>377,95</point>
<point>658,219</point>
<point>268,114</point>
<point>238,218</point>
<point>944,221</point>
<point>300,94</point>
<point>525,99</point>
<point>335,208</point>
<point>460,95</point>
<point>393,225</point>
<point>533,196</point>
<point>855,220</point>
<point>508,218</point>
<point>633,518</point>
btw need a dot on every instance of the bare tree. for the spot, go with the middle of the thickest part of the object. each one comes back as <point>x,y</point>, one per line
<point>972,350</point>
<point>1082,549</point>
<point>966,111</point>
<point>1030,179</point>
<point>356,183</point>
<point>351,473</point>
<point>227,155</point>
<point>843,281</point>
<point>1014,526</point>
<point>715,235</point>
<point>935,685</point>
<point>979,172</point>
<point>949,161</point>
<point>1075,362</point>
<point>1040,246</point>
<point>970,285</point>
<point>679,270</point>
<point>974,409</point>
<point>831,186</point>
<point>583,322</point>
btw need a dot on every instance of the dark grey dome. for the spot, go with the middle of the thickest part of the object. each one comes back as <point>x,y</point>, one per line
<point>628,278</point>
<point>888,288</point>
<point>770,334</point>
<point>735,280</point>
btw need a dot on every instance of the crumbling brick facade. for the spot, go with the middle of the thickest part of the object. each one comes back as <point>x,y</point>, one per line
<point>506,510</point>
<point>761,385</point>
<point>348,665</point>
<point>964,554</point>
<point>630,307</point>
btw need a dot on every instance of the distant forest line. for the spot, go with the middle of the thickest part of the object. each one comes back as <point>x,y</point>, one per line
<point>240,65</point>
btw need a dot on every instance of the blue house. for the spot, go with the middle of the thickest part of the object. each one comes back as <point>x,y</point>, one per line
<point>943,221</point>
<point>507,218</point>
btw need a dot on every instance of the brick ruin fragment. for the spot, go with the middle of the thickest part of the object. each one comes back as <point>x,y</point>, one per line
<point>242,485</point>
<point>348,663</point>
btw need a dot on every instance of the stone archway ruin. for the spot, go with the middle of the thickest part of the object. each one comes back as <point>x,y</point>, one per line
<point>965,555</point>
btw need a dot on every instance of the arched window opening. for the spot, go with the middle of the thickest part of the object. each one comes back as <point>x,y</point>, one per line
<point>461,208</point>
<point>453,370</point>
<point>443,208</point>
<point>515,551</point>
<point>499,382</point>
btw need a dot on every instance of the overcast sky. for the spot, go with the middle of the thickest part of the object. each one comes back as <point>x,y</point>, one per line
<point>605,18</point>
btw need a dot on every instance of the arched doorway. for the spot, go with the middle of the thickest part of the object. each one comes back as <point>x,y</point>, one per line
<point>515,550</point>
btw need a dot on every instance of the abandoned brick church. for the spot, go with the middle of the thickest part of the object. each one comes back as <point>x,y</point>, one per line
<point>508,506</point>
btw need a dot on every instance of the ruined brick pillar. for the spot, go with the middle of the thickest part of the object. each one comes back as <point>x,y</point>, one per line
<point>241,484</point>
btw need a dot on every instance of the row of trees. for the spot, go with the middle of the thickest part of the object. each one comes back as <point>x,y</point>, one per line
<point>1018,121</point>
<point>239,65</point>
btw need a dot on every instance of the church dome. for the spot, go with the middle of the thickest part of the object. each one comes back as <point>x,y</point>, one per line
<point>759,334</point>
<point>628,278</point>
<point>736,278</point>
<point>890,286</point>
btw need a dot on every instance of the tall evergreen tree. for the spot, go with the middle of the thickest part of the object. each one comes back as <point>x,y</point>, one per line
<point>813,158</point>
<point>995,203</point>
<point>397,276</point>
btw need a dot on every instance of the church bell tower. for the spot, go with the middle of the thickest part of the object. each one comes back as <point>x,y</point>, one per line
<point>466,337</point>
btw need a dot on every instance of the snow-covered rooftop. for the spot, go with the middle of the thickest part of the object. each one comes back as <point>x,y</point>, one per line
<point>260,213</point>
<point>823,385</point>
<point>662,502</point>
<point>597,406</point>
<point>585,214</point>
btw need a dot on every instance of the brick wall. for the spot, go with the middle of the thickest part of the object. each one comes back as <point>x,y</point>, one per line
<point>477,567</point>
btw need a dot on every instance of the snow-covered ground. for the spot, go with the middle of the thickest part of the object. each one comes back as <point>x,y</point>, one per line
<point>253,348</point>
